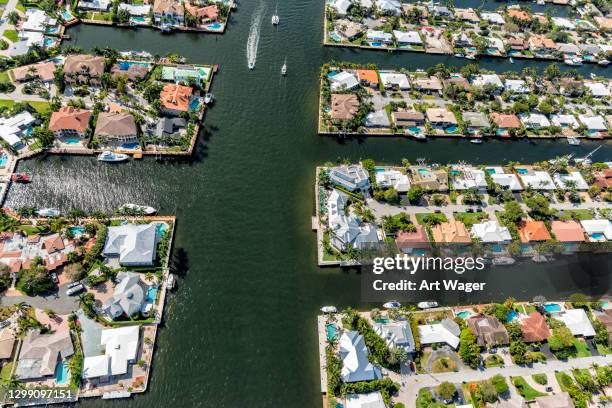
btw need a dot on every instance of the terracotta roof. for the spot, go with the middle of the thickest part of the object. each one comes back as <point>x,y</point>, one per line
<point>93,64</point>
<point>33,239</point>
<point>603,22</point>
<point>54,261</point>
<point>53,244</point>
<point>539,41</point>
<point>68,118</point>
<point>205,13</point>
<point>43,70</point>
<point>534,328</point>
<point>505,121</point>
<point>440,115</point>
<point>533,231</point>
<point>176,97</point>
<point>458,81</point>
<point>368,75</point>
<point>567,231</point>
<point>519,14</point>
<point>344,106</point>
<point>453,232</point>
<point>7,341</point>
<point>603,179</point>
<point>416,239</point>
<point>112,124</point>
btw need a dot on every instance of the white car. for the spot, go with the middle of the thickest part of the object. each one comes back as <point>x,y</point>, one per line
<point>75,289</point>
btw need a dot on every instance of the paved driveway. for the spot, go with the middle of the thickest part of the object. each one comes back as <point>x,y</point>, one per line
<point>59,302</point>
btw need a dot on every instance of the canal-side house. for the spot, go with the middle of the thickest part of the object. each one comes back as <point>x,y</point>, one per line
<point>43,71</point>
<point>97,5</point>
<point>69,122</point>
<point>573,179</point>
<point>40,354</point>
<point>489,331</point>
<point>492,81</point>
<point>531,232</point>
<point>564,121</point>
<point>493,18</point>
<point>542,46</point>
<point>445,332</point>
<point>603,179</point>
<point>352,177</point>
<point>391,178</point>
<point>597,89</point>
<point>396,334</point>
<point>368,77</point>
<point>343,106</point>
<point>348,29</point>
<point>175,99</point>
<point>128,296</point>
<point>441,118</point>
<point>408,119</point>
<point>431,85</point>
<point>598,230</point>
<point>133,72</point>
<point>534,328</point>
<point>345,228</point>
<point>83,69</point>
<point>377,119</point>
<point>429,179</point>
<point>205,14</point>
<point>568,233</point>
<point>491,232</point>
<point>354,356</point>
<point>451,232</point>
<point>535,179</point>
<point>408,242</point>
<point>576,321</point>
<point>116,128</point>
<point>131,244</point>
<point>465,177</point>
<point>595,124</point>
<point>477,122</point>
<point>394,80</point>
<point>505,123</point>
<point>343,81</point>
<point>120,347</point>
<point>503,179</point>
<point>534,121</point>
<point>468,15</point>
<point>379,37</point>
<point>368,400</point>
<point>168,13</point>
<point>407,38</point>
<point>183,74</point>
<point>38,21</point>
<point>14,128</point>
<point>516,86</point>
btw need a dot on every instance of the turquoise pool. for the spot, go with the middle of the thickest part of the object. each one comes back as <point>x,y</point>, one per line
<point>501,132</point>
<point>496,248</point>
<point>335,36</point>
<point>3,160</point>
<point>125,65</point>
<point>330,329</point>
<point>130,146</point>
<point>151,294</point>
<point>139,20</point>
<point>49,42</point>
<point>423,171</point>
<point>332,74</point>
<point>376,44</point>
<point>598,236</point>
<point>605,304</point>
<point>414,129</point>
<point>464,314</point>
<point>552,307</point>
<point>77,230</point>
<point>72,141</point>
<point>194,103</point>
<point>511,316</point>
<point>62,373</point>
<point>215,26</point>
<point>66,15</point>
<point>491,171</point>
<point>161,228</point>
<point>522,171</point>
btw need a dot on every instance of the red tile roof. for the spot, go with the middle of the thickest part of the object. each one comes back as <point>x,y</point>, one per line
<point>534,328</point>
<point>53,244</point>
<point>416,239</point>
<point>176,97</point>
<point>533,231</point>
<point>68,118</point>
<point>567,231</point>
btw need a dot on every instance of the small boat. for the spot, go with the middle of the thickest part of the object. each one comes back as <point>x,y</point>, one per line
<point>136,209</point>
<point>427,305</point>
<point>275,19</point>
<point>110,157</point>
<point>503,260</point>
<point>48,212</point>
<point>476,141</point>
<point>329,309</point>
<point>572,141</point>
<point>573,62</point>
<point>470,56</point>
<point>284,68</point>
<point>393,304</point>
<point>603,62</point>
<point>511,60</point>
<point>209,98</point>
<point>170,282</point>
<point>539,259</point>
<point>460,55</point>
<point>251,65</point>
<point>419,136</point>
<point>20,178</point>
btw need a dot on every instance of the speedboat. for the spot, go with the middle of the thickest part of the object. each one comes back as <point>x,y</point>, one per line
<point>209,98</point>
<point>603,62</point>
<point>20,178</point>
<point>476,141</point>
<point>427,305</point>
<point>137,209</point>
<point>275,19</point>
<point>170,282</point>
<point>593,75</point>
<point>251,65</point>
<point>574,62</point>
<point>470,56</point>
<point>110,157</point>
<point>572,141</point>
<point>511,60</point>
<point>284,68</point>
<point>459,55</point>
<point>419,136</point>
<point>48,212</point>
<point>539,258</point>
<point>503,260</point>
<point>393,304</point>
<point>329,309</point>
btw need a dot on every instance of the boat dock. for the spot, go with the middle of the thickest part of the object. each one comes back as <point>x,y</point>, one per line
<point>322,336</point>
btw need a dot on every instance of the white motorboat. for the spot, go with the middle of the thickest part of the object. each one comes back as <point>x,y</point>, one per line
<point>459,55</point>
<point>170,282</point>
<point>419,136</point>
<point>503,260</point>
<point>427,305</point>
<point>136,209</point>
<point>573,62</point>
<point>48,212</point>
<point>209,98</point>
<point>572,141</point>
<point>511,60</point>
<point>470,56</point>
<point>393,304</point>
<point>284,68</point>
<point>593,75</point>
<point>476,141</point>
<point>275,19</point>
<point>603,63</point>
<point>251,65</point>
<point>539,258</point>
<point>110,157</point>
<point>329,309</point>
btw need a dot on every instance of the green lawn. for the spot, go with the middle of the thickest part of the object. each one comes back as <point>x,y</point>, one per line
<point>439,217</point>
<point>525,389</point>
<point>4,77</point>
<point>494,360</point>
<point>582,349</point>
<point>6,371</point>
<point>564,380</point>
<point>40,107</point>
<point>579,214</point>
<point>603,350</point>
<point>11,35</point>
<point>20,7</point>
<point>540,378</point>
<point>470,219</point>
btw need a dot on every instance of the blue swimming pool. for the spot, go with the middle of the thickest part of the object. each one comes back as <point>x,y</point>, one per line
<point>130,146</point>
<point>125,65</point>
<point>49,42</point>
<point>330,329</point>
<point>335,36</point>
<point>511,316</point>
<point>552,307</point>
<point>215,26</point>
<point>194,104</point>
<point>376,44</point>
<point>423,171</point>
<point>66,15</point>
<point>77,230</point>
<point>464,314</point>
<point>161,228</point>
<point>414,129</point>
<point>605,304</point>
<point>151,294</point>
<point>72,141</point>
<point>501,132</point>
<point>62,374</point>
<point>490,171</point>
<point>522,171</point>
<point>332,74</point>
<point>496,248</point>
<point>3,160</point>
<point>139,20</point>
<point>598,236</point>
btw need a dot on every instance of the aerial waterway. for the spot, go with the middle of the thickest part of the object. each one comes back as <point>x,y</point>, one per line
<point>253,40</point>
<point>241,329</point>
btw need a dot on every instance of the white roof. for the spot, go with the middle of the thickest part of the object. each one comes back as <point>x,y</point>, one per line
<point>121,347</point>
<point>563,23</point>
<point>348,229</point>
<point>11,128</point>
<point>567,120</point>
<point>468,177</point>
<point>378,35</point>
<point>37,20</point>
<point>393,178</point>
<point>410,37</point>
<point>354,355</point>
<point>395,78</point>
<point>534,120</point>
<point>516,86</point>
<point>593,122</point>
<point>488,79</point>
<point>598,227</point>
<point>577,321</point>
<point>495,42</point>
<point>597,88</point>
<point>507,180</point>
<point>538,180</point>
<point>491,231</point>
<point>341,6</point>
<point>96,366</point>
<point>135,244</point>
<point>136,9</point>
<point>493,17</point>
<point>32,38</point>
<point>95,4</point>
<point>389,6</point>
<point>370,400</point>
<point>575,177</point>
<point>343,80</point>
<point>437,333</point>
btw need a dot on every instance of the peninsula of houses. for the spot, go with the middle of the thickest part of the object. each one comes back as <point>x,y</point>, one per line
<point>95,337</point>
<point>540,354</point>
<point>511,31</point>
<point>467,102</point>
<point>501,212</point>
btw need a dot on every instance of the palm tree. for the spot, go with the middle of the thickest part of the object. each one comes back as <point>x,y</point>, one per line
<point>10,383</point>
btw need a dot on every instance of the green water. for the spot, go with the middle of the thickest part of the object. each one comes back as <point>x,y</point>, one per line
<point>241,329</point>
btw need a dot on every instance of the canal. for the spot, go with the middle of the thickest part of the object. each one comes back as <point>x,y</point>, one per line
<point>241,329</point>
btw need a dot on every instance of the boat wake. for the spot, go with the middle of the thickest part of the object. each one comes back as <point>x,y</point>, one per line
<point>253,41</point>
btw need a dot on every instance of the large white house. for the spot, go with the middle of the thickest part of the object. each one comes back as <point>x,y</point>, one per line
<point>387,178</point>
<point>467,177</point>
<point>597,230</point>
<point>354,356</point>
<point>538,180</point>
<point>447,331</point>
<point>491,232</point>
<point>574,178</point>
<point>577,321</point>
<point>12,129</point>
<point>120,350</point>
<point>508,180</point>
<point>132,244</point>
<point>352,177</point>
<point>346,229</point>
<point>343,81</point>
<point>394,80</point>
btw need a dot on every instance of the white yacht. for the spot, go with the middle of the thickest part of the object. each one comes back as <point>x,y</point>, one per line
<point>251,65</point>
<point>476,141</point>
<point>329,309</point>
<point>427,305</point>
<point>275,17</point>
<point>284,68</point>
<point>170,282</point>
<point>459,55</point>
<point>48,212</point>
<point>572,141</point>
<point>110,157</point>
<point>209,98</point>
<point>135,208</point>
<point>511,60</point>
<point>603,62</point>
<point>573,62</point>
<point>503,260</point>
<point>393,304</point>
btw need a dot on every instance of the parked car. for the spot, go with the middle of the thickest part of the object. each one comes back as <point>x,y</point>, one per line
<point>73,284</point>
<point>75,290</point>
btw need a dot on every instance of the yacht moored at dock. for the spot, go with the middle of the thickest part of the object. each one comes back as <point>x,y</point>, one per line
<point>329,309</point>
<point>427,305</point>
<point>393,304</point>
<point>48,212</point>
<point>21,178</point>
<point>137,209</point>
<point>111,157</point>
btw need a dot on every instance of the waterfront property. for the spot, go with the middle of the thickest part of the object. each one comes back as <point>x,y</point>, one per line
<point>470,102</point>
